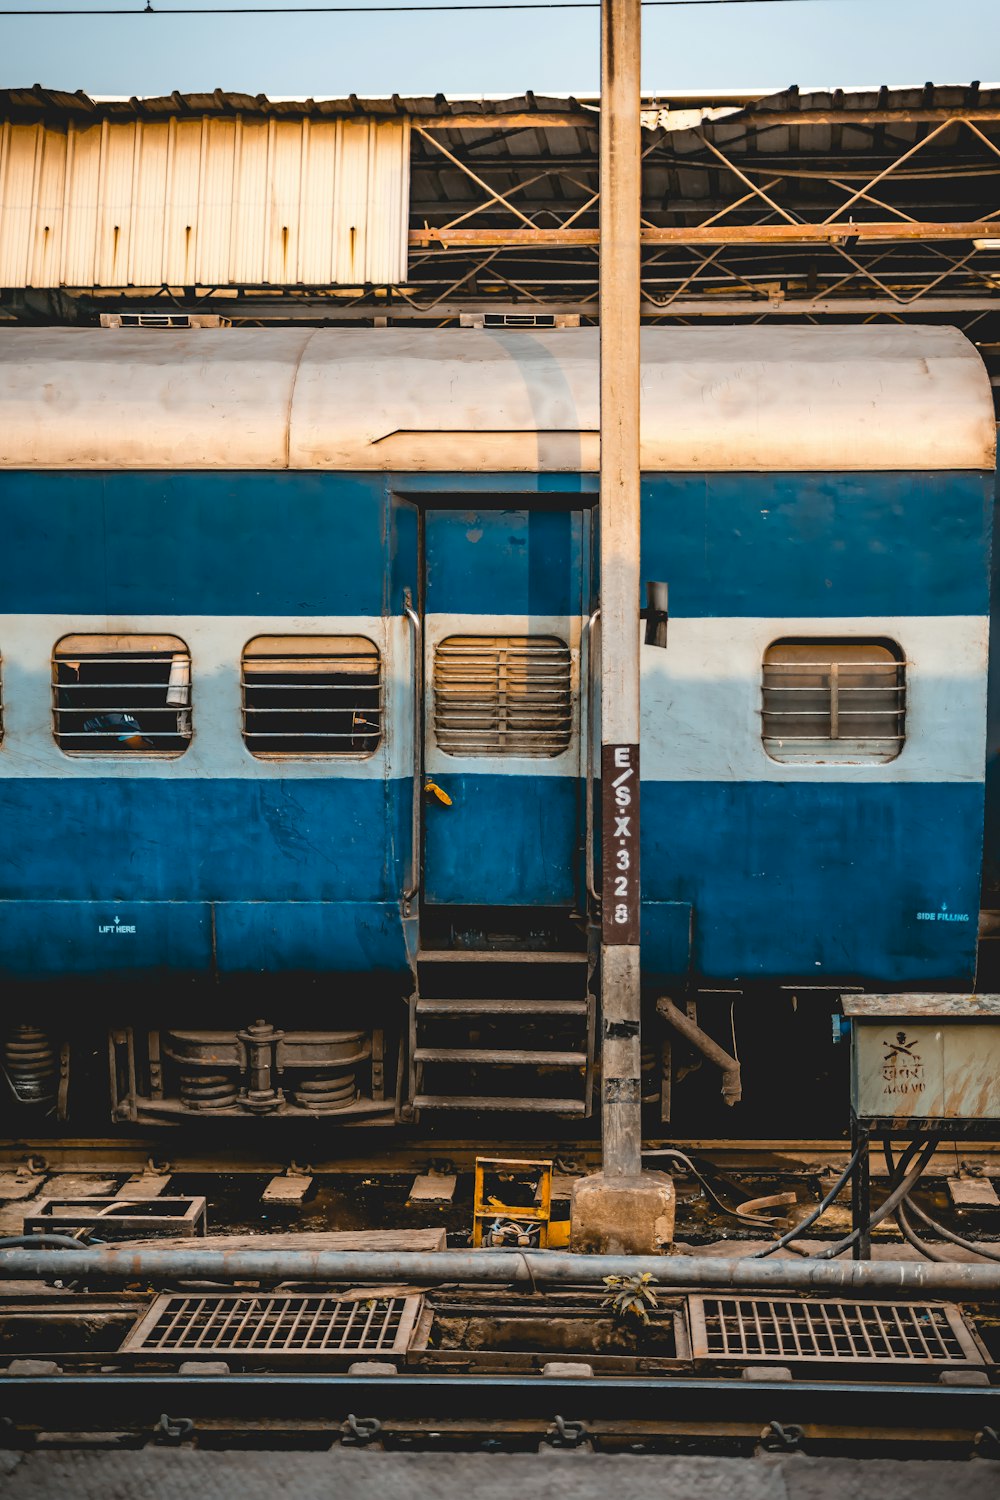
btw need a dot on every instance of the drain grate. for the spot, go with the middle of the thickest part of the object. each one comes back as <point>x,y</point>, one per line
<point>909,1333</point>
<point>231,1323</point>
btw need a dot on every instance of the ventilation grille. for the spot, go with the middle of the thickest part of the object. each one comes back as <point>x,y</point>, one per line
<point>741,1328</point>
<point>163,320</point>
<point>833,700</point>
<point>311,695</point>
<point>121,694</point>
<point>233,1324</point>
<point>503,695</point>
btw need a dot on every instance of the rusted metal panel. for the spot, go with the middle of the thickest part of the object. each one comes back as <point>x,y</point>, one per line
<point>919,1057</point>
<point>204,200</point>
<point>925,1007</point>
<point>945,1072</point>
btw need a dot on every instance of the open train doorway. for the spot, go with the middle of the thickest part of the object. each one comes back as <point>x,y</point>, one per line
<point>503,1018</point>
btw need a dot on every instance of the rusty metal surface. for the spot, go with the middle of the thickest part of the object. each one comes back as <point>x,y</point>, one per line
<point>791,1330</point>
<point>923,1007</point>
<point>290,1323</point>
<point>543,1268</point>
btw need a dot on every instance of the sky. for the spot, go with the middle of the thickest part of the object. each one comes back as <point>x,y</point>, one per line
<point>765,46</point>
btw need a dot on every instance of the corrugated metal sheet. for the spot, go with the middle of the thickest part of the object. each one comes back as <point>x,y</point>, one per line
<point>457,400</point>
<point>204,201</point>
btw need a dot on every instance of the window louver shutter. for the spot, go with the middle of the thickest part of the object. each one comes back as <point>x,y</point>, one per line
<point>503,695</point>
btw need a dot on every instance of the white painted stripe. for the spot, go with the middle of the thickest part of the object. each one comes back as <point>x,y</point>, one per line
<point>701,698</point>
<point>217,750</point>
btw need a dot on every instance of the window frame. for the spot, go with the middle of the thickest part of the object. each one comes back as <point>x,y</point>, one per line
<point>836,748</point>
<point>169,646</point>
<point>377,655</point>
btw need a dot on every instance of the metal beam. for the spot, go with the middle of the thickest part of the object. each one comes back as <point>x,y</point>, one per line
<point>714,234</point>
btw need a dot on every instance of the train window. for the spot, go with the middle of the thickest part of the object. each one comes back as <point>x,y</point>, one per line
<point>503,695</point>
<point>121,695</point>
<point>308,695</point>
<point>834,701</point>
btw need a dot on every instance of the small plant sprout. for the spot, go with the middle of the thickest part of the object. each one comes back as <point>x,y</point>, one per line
<point>630,1296</point>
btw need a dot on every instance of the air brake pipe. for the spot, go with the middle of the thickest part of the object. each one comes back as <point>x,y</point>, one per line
<point>504,1267</point>
<point>732,1087</point>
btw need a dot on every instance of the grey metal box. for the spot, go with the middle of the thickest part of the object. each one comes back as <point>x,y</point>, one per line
<point>925,1057</point>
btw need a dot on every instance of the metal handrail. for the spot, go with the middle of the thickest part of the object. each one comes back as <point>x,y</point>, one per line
<point>587,730</point>
<point>418,745</point>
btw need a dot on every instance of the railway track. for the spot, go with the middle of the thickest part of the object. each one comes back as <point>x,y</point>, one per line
<point>517,1413</point>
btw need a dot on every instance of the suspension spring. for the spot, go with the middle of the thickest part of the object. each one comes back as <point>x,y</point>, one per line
<point>29,1061</point>
<point>204,1091</point>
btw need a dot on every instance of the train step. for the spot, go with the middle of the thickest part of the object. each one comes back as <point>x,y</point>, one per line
<point>531,1105</point>
<point>513,1058</point>
<point>432,1006</point>
<point>497,956</point>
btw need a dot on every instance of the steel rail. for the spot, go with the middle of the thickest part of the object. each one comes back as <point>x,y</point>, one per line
<point>406,1402</point>
<point>534,1269</point>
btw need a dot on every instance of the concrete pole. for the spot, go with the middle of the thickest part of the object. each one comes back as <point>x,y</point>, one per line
<point>621,1209</point>
<point>621,191</point>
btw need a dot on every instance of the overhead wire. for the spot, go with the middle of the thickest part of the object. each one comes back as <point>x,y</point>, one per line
<point>341,10</point>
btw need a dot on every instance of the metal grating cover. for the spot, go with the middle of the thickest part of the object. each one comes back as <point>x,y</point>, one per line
<point>503,695</point>
<point>289,1323</point>
<point>911,1333</point>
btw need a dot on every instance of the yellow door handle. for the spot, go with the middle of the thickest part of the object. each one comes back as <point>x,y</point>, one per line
<point>431,789</point>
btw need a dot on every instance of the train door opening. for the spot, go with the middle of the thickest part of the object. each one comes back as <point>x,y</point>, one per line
<point>505,595</point>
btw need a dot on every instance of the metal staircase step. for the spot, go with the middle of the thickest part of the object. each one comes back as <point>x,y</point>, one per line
<point>511,1106</point>
<point>496,956</point>
<point>498,1055</point>
<point>479,1007</point>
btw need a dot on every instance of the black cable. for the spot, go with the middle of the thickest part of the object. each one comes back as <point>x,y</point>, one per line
<point>817,1212</point>
<point>376,10</point>
<point>896,1195</point>
<point>32,1241</point>
<point>689,1166</point>
<point>925,1218</point>
<point>912,1237</point>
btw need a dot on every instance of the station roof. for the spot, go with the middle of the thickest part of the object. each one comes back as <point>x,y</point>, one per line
<point>801,205</point>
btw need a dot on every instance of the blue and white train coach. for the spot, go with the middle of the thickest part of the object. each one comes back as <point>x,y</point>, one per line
<point>298,637</point>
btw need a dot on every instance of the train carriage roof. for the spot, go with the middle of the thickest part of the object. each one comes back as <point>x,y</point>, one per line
<point>464,400</point>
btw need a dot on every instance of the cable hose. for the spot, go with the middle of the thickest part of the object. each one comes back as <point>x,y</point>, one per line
<point>689,1165</point>
<point>914,1239</point>
<point>58,1241</point>
<point>896,1195</point>
<point>814,1214</point>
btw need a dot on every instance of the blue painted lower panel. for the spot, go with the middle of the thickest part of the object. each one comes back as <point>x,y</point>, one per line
<point>346,937</point>
<point>47,939</point>
<point>505,841</point>
<point>829,882</point>
<point>328,839</point>
<point>666,938</point>
<point>825,881</point>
